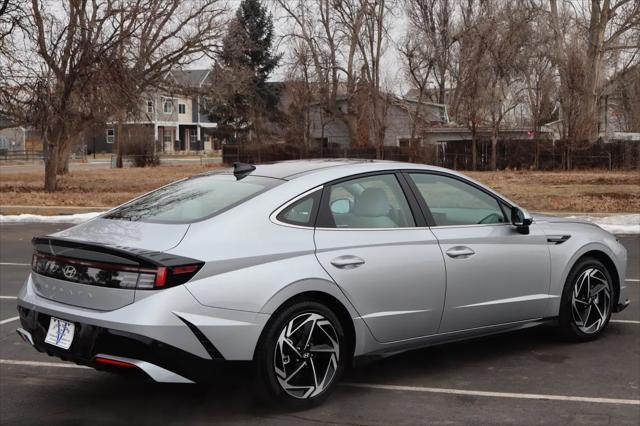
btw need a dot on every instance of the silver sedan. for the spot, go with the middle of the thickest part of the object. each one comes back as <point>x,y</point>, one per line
<point>301,267</point>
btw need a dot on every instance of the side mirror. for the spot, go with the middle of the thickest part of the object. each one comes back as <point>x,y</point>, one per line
<point>521,220</point>
<point>341,206</point>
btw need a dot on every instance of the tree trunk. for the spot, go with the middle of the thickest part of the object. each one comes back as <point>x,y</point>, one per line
<point>474,164</point>
<point>352,126</point>
<point>62,167</point>
<point>51,168</point>
<point>119,144</point>
<point>494,150</point>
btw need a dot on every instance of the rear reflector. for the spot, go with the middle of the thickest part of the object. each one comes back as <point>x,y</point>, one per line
<point>114,362</point>
<point>184,269</point>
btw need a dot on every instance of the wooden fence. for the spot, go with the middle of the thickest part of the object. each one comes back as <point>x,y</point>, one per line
<point>23,155</point>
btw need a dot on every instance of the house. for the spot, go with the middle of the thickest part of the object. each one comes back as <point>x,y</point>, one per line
<point>328,131</point>
<point>12,138</point>
<point>175,118</point>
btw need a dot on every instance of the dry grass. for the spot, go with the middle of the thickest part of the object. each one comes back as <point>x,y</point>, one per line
<point>585,191</point>
<point>90,188</point>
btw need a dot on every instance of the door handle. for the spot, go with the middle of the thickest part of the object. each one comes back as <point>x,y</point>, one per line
<point>460,252</point>
<point>347,262</point>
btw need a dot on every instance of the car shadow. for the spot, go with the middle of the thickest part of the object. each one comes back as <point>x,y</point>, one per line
<point>228,397</point>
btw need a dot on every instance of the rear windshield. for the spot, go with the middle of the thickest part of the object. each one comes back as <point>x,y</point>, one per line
<point>193,199</point>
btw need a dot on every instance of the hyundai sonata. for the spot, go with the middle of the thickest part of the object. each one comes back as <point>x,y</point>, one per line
<point>303,266</point>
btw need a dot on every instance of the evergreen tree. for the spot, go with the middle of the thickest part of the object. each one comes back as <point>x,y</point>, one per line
<point>241,96</point>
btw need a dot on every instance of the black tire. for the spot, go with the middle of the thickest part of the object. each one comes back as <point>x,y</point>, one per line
<point>268,384</point>
<point>567,320</point>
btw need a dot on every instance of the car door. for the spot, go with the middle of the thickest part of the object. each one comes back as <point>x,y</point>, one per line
<point>495,274</point>
<point>391,270</point>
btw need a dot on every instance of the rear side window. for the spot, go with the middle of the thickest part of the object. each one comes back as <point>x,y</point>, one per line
<point>302,211</point>
<point>367,202</point>
<point>193,199</point>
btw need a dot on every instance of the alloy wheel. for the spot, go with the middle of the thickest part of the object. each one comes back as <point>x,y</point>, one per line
<point>306,355</point>
<point>591,301</point>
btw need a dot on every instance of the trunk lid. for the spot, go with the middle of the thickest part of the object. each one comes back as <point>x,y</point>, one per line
<point>100,263</point>
<point>139,235</point>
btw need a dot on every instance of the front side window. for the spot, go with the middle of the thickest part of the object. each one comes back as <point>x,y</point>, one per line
<point>453,202</point>
<point>193,199</point>
<point>368,202</point>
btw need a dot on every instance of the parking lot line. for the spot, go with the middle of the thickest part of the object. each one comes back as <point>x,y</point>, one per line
<point>8,320</point>
<point>632,280</point>
<point>614,401</point>
<point>8,297</point>
<point>495,394</point>
<point>39,364</point>
<point>14,264</point>
<point>625,321</point>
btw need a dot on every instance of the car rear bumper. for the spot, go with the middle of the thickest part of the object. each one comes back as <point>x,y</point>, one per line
<point>167,328</point>
<point>149,358</point>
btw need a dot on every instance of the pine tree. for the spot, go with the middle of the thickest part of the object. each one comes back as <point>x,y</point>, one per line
<point>241,95</point>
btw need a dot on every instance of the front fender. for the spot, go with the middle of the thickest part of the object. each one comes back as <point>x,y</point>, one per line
<point>564,256</point>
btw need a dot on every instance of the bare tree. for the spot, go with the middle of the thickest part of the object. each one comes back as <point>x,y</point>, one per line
<point>419,66</point>
<point>586,37</point>
<point>507,33</point>
<point>345,41</point>
<point>96,59</point>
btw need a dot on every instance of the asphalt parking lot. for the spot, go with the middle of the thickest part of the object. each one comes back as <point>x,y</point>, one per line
<point>525,378</point>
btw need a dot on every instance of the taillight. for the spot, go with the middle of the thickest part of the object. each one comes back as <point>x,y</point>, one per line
<point>111,274</point>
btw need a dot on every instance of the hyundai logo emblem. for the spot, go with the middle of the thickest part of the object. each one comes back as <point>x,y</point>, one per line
<point>69,271</point>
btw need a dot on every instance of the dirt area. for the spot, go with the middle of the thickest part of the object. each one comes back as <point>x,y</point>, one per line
<point>87,190</point>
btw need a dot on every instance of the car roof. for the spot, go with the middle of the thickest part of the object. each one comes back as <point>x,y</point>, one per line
<point>289,170</point>
<point>322,170</point>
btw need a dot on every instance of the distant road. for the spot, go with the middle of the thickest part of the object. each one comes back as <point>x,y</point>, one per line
<point>97,164</point>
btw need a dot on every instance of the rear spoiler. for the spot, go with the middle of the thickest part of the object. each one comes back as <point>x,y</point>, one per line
<point>94,252</point>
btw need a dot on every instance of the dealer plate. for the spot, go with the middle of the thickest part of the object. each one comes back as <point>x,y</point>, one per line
<point>60,333</point>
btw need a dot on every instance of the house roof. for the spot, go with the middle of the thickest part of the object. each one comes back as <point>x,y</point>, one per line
<point>190,78</point>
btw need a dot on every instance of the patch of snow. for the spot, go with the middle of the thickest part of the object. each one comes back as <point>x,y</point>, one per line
<point>34,218</point>
<point>616,224</point>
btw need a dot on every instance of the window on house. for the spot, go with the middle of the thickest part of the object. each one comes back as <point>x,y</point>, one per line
<point>167,105</point>
<point>111,135</point>
<point>182,109</point>
<point>166,136</point>
<point>149,105</point>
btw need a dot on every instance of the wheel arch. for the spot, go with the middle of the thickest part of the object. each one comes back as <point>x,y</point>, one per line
<point>608,262</point>
<point>345,316</point>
